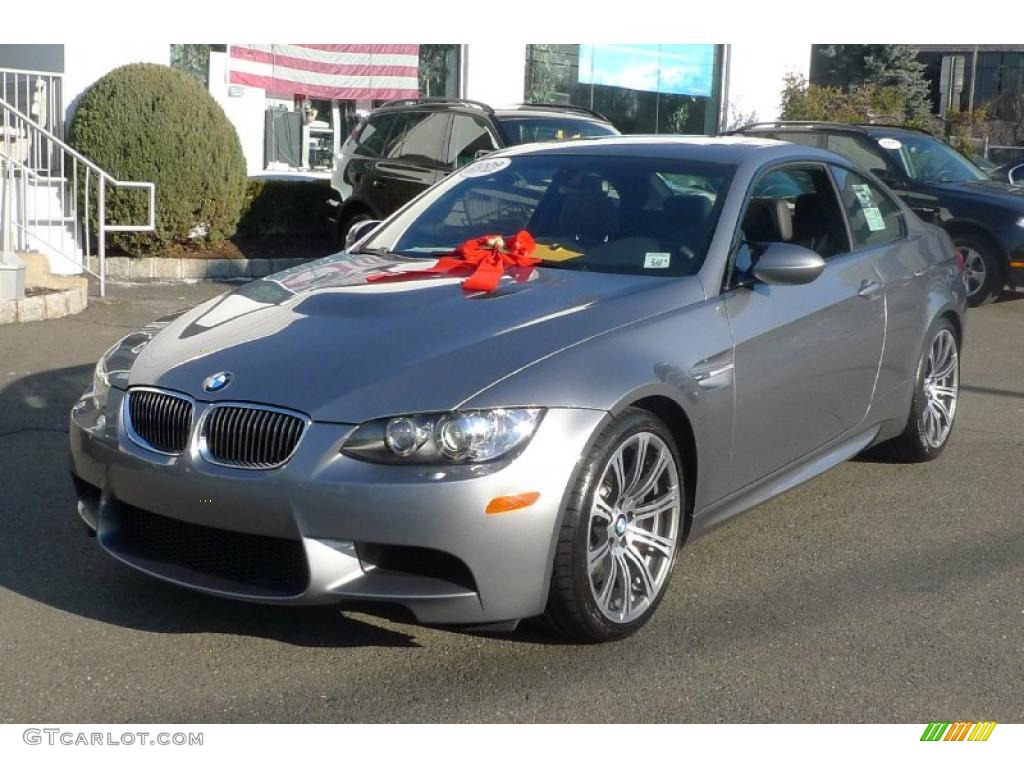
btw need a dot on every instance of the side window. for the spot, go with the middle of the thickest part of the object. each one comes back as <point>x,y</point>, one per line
<point>805,138</point>
<point>393,145</point>
<point>796,205</point>
<point>859,151</point>
<point>469,136</point>
<point>373,137</point>
<point>874,218</point>
<point>424,137</point>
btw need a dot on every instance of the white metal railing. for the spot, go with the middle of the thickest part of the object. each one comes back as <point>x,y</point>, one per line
<point>1005,152</point>
<point>37,94</point>
<point>59,196</point>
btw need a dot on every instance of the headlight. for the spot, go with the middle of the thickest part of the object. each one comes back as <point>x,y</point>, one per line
<point>457,437</point>
<point>101,379</point>
<point>1020,221</point>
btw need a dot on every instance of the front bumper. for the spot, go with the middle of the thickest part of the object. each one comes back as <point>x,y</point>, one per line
<point>412,535</point>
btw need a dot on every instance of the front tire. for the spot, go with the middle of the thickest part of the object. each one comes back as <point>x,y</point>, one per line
<point>622,528</point>
<point>349,219</point>
<point>936,392</point>
<point>983,272</point>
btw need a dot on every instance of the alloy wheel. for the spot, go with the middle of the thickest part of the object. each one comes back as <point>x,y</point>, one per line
<point>975,271</point>
<point>633,527</point>
<point>941,388</point>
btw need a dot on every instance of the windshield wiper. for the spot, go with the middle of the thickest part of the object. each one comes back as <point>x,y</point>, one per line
<point>564,264</point>
<point>374,252</point>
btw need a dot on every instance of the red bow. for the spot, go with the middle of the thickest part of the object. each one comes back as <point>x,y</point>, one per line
<point>485,258</point>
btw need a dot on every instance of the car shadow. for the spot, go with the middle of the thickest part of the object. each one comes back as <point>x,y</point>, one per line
<point>47,556</point>
<point>1007,296</point>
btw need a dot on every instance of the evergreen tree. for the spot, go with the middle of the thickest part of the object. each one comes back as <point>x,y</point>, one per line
<point>897,66</point>
<point>893,66</point>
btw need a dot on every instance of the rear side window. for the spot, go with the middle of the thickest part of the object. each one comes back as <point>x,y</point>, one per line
<point>393,144</point>
<point>805,138</point>
<point>874,218</point>
<point>469,136</point>
<point>373,137</point>
<point>423,137</point>
<point>523,130</point>
<point>858,150</point>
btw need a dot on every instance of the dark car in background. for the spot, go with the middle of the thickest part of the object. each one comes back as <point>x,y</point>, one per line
<point>405,146</point>
<point>984,218</point>
<point>1008,173</point>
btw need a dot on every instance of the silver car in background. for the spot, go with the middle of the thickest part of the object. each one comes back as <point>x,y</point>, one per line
<point>712,322</point>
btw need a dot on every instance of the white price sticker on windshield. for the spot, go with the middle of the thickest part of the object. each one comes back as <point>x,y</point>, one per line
<point>889,143</point>
<point>486,167</point>
<point>657,260</point>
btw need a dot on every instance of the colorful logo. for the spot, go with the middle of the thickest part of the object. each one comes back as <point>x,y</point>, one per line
<point>960,730</point>
<point>217,382</point>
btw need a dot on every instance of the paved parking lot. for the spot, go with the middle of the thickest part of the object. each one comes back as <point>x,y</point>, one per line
<point>876,593</point>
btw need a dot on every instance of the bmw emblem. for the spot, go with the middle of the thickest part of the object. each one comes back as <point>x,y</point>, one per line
<point>217,382</point>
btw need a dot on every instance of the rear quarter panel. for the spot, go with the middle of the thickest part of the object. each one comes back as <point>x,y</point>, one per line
<point>923,281</point>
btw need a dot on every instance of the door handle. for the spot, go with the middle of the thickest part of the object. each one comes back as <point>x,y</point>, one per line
<point>870,289</point>
<point>379,183</point>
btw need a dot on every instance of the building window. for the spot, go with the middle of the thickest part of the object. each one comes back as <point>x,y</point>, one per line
<point>998,72</point>
<point>194,59</point>
<point>439,70</point>
<point>640,88</point>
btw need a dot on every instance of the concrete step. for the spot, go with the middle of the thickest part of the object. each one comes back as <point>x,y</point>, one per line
<point>58,244</point>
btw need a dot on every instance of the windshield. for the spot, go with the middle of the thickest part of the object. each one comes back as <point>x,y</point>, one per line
<point>927,159</point>
<point>523,130</point>
<point>629,215</point>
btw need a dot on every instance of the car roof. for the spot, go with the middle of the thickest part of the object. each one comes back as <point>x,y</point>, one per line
<point>529,112</point>
<point>816,126</point>
<point>731,150</point>
<point>477,107</point>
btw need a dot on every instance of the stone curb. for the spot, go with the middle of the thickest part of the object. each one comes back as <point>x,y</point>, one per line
<point>67,301</point>
<point>158,268</point>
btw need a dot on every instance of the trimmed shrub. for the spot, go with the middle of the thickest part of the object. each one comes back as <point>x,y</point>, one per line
<point>280,207</point>
<point>147,122</point>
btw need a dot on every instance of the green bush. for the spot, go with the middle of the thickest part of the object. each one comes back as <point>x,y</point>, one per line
<point>863,103</point>
<point>147,122</point>
<point>280,207</point>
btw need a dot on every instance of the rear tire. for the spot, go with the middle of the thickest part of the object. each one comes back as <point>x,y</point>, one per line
<point>622,528</point>
<point>933,409</point>
<point>983,269</point>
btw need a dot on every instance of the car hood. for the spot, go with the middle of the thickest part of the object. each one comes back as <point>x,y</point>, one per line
<point>320,339</point>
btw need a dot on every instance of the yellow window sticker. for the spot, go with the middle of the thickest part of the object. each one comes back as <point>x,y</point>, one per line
<point>554,252</point>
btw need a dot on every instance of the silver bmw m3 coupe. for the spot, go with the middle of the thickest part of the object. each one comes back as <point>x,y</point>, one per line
<point>523,392</point>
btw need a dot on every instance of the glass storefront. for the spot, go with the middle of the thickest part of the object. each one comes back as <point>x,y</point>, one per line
<point>640,88</point>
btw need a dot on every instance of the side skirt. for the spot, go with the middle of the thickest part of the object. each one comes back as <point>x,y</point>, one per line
<point>796,473</point>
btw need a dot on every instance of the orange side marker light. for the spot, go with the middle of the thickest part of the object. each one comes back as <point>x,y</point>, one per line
<point>501,504</point>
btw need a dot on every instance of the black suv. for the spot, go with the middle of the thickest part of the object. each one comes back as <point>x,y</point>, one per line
<point>984,218</point>
<point>405,146</point>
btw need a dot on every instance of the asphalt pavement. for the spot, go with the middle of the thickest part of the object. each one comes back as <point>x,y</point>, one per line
<point>876,593</point>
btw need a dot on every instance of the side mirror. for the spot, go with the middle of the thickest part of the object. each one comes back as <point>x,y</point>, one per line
<point>359,230</point>
<point>788,264</point>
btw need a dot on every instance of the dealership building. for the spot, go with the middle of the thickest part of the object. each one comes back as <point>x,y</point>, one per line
<point>292,105</point>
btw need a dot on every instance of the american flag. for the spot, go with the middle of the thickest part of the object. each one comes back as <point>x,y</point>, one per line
<point>328,71</point>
